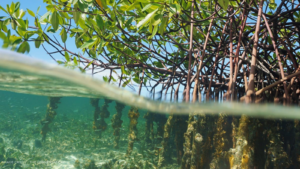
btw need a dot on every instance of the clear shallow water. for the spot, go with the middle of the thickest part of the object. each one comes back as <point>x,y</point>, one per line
<point>73,140</point>
<point>71,136</point>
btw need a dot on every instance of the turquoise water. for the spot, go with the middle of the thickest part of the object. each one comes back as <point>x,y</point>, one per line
<point>71,136</point>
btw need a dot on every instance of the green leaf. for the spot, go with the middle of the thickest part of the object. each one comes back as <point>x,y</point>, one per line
<point>146,19</point>
<point>75,61</point>
<point>82,21</point>
<point>273,6</point>
<point>88,44</point>
<point>205,23</point>
<point>76,30</point>
<point>21,31</point>
<point>82,5</point>
<point>3,9</point>
<point>158,64</point>
<point>224,4</point>
<point>13,25</point>
<point>146,7</point>
<point>163,25</point>
<point>82,70</point>
<point>17,6</point>
<point>24,47</point>
<point>21,24</point>
<point>101,45</point>
<point>38,41</point>
<point>176,8</point>
<point>55,20</point>
<point>132,6</point>
<point>67,57</point>
<point>22,13</point>
<point>31,13</point>
<point>112,78</point>
<point>129,22</point>
<point>105,79</point>
<point>154,31</point>
<point>156,22</point>
<point>76,16</point>
<point>93,53</point>
<point>12,8</point>
<point>100,22</point>
<point>60,62</point>
<point>126,83</point>
<point>44,16</point>
<point>63,34</point>
<point>123,70</point>
<point>2,36</point>
<point>37,11</point>
<point>136,79</point>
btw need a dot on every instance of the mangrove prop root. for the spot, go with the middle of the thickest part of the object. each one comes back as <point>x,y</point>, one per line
<point>96,122</point>
<point>273,84</point>
<point>50,114</point>
<point>99,124</point>
<point>240,155</point>
<point>207,145</point>
<point>160,120</point>
<point>117,123</point>
<point>104,113</point>
<point>296,152</point>
<point>133,115</point>
<point>148,127</point>
<point>180,126</point>
<point>104,109</point>
<point>276,155</point>
<point>218,142</point>
<point>187,147</point>
<point>196,142</point>
<point>163,154</point>
<point>196,150</point>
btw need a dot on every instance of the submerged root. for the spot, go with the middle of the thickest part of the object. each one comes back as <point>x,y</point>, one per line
<point>99,124</point>
<point>163,155</point>
<point>196,150</point>
<point>96,122</point>
<point>188,135</point>
<point>51,113</point>
<point>104,113</point>
<point>117,123</point>
<point>133,115</point>
<point>277,157</point>
<point>180,126</point>
<point>219,143</point>
<point>240,155</point>
<point>149,128</point>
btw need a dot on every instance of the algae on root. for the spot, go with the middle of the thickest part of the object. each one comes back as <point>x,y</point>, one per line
<point>133,115</point>
<point>116,123</point>
<point>51,113</point>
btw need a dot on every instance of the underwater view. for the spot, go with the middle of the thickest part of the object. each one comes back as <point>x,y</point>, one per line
<point>86,133</point>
